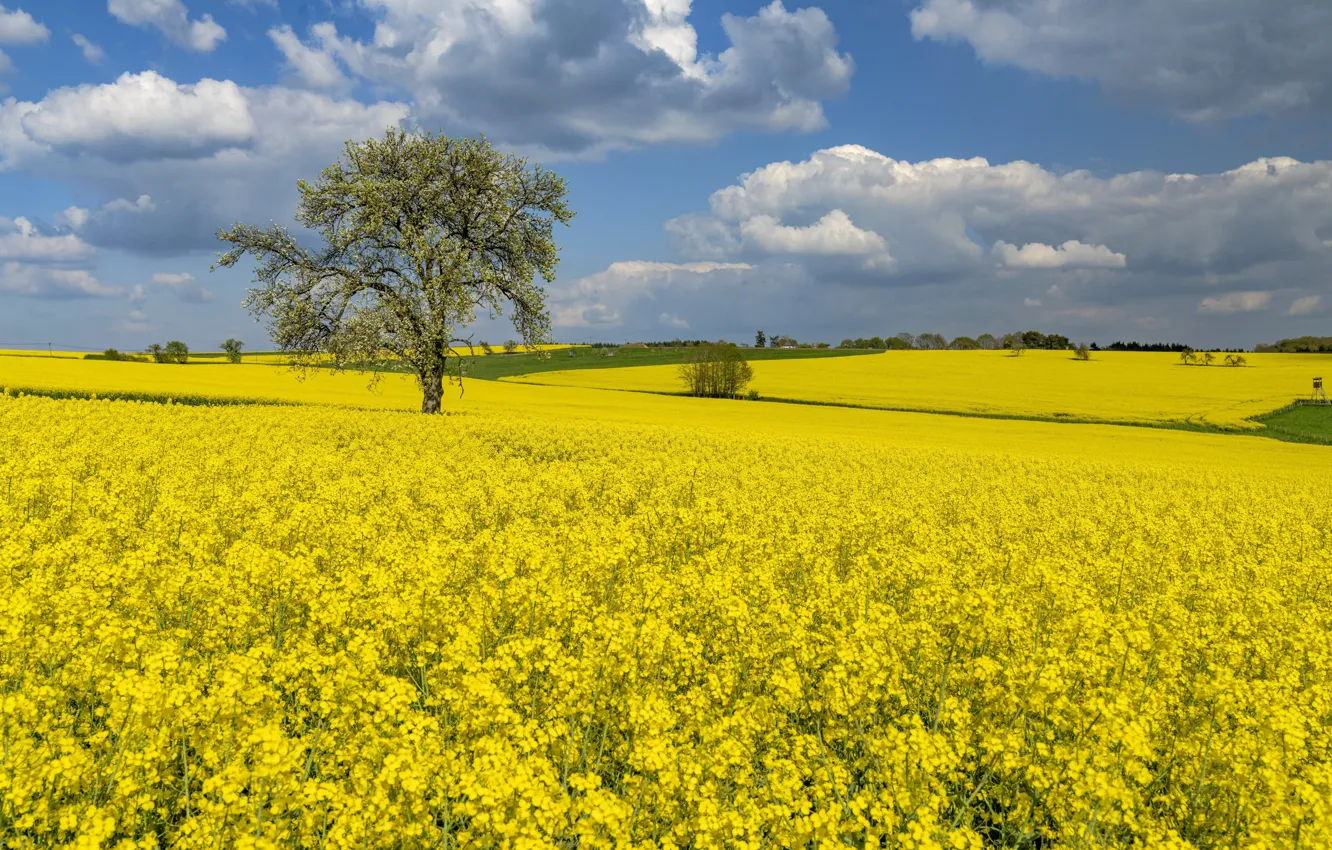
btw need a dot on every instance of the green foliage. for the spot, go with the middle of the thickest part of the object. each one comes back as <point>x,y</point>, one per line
<point>1082,352</point>
<point>760,339</point>
<point>418,233</point>
<point>964,343</point>
<point>157,353</point>
<point>1299,345</point>
<point>232,348</point>
<point>510,346</point>
<point>111,354</point>
<point>717,370</point>
<point>176,352</point>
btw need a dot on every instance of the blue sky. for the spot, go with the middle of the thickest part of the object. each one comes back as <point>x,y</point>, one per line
<point>1099,168</point>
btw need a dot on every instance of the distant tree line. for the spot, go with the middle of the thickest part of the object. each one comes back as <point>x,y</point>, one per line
<point>1017,341</point>
<point>1298,345</point>
<point>939,342</point>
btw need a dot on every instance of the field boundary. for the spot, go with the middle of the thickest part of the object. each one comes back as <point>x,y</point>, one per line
<point>1278,433</point>
<point>188,399</point>
<point>196,400</point>
<point>1165,425</point>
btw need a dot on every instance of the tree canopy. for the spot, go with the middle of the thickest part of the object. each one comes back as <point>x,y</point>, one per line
<point>418,232</point>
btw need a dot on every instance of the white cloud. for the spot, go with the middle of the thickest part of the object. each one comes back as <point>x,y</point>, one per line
<point>91,52</point>
<point>601,299</point>
<point>136,321</point>
<point>1235,302</point>
<point>1070,255</point>
<point>933,217</point>
<point>1031,302</point>
<point>172,19</point>
<point>579,77</point>
<point>42,282</point>
<point>18,27</point>
<point>1203,62</point>
<point>184,287</point>
<point>315,67</point>
<point>833,234</point>
<point>174,162</point>
<point>21,240</point>
<point>672,321</point>
<point>584,316</point>
<point>144,204</point>
<point>73,217</point>
<point>1304,306</point>
<point>142,116</point>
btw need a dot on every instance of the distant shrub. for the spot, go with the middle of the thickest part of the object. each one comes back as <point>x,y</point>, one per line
<point>752,395</point>
<point>157,352</point>
<point>232,348</point>
<point>716,370</point>
<point>111,354</point>
<point>1082,352</point>
<point>510,346</point>
<point>176,352</point>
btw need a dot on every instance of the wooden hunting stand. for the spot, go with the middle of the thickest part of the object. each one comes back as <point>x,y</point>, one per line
<point>1319,394</point>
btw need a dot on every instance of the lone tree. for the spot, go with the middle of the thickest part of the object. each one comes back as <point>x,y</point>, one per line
<point>418,232</point>
<point>716,370</point>
<point>232,348</point>
<point>176,352</point>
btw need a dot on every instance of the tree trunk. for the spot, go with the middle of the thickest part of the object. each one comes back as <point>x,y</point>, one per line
<point>432,383</point>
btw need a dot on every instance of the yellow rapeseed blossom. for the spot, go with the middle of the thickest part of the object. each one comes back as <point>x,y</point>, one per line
<point>1112,387</point>
<point>311,626</point>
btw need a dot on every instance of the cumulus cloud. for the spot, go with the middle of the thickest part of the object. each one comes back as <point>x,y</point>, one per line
<point>172,19</point>
<point>1220,60</point>
<point>19,27</point>
<point>672,321</point>
<point>136,321</point>
<point>834,234</point>
<point>184,287</point>
<point>994,240</point>
<point>43,282</point>
<point>1070,255</point>
<point>1235,302</point>
<point>581,77</point>
<point>142,116</point>
<point>1304,306</point>
<point>21,240</point>
<point>943,217</point>
<point>91,52</point>
<point>317,66</point>
<point>601,299</point>
<point>174,162</point>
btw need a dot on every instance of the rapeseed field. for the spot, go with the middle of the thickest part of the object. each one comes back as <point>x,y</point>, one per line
<point>551,621</point>
<point>1132,387</point>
